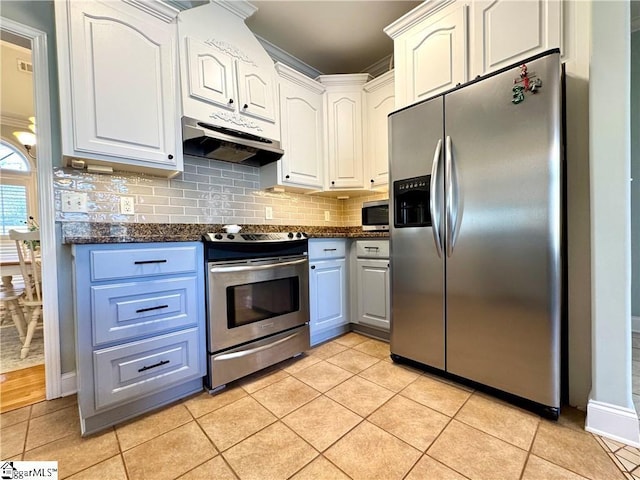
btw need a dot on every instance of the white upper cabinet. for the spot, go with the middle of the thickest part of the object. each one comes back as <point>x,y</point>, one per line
<point>381,102</point>
<point>118,77</point>
<point>228,79</point>
<point>302,134</point>
<point>505,31</point>
<point>344,104</point>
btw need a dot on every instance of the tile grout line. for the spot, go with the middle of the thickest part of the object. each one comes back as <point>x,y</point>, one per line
<point>529,453</point>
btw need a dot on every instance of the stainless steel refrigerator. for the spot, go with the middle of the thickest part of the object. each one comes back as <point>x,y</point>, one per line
<point>475,202</point>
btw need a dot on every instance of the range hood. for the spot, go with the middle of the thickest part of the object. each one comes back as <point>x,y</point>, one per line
<point>201,139</point>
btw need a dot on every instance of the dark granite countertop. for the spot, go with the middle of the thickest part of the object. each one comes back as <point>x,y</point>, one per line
<point>86,232</point>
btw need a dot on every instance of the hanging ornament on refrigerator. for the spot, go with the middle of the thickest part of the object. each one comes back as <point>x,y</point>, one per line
<point>525,82</point>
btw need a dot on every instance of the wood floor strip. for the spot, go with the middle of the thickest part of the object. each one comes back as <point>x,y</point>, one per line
<point>21,388</point>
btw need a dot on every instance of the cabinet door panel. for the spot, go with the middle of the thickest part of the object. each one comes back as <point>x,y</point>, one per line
<point>210,74</point>
<point>328,292</point>
<point>373,293</point>
<point>122,84</point>
<point>345,141</point>
<point>256,92</point>
<point>381,101</point>
<point>436,56</point>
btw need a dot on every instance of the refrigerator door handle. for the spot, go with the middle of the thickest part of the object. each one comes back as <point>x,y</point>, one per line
<point>435,209</point>
<point>451,182</point>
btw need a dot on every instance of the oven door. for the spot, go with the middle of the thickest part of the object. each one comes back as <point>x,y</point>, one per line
<point>251,299</point>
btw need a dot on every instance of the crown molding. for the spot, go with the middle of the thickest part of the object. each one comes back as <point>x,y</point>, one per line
<point>15,121</point>
<point>344,79</point>
<point>279,55</point>
<point>165,11</point>
<point>379,82</point>
<point>635,24</point>
<point>292,75</point>
<point>380,67</point>
<point>409,19</point>
<point>241,8</point>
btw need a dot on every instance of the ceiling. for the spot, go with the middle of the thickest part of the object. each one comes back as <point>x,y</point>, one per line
<point>331,36</point>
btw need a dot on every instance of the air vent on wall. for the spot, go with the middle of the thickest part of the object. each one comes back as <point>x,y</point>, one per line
<point>25,66</point>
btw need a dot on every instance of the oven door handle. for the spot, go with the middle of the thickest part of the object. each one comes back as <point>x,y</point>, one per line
<point>253,268</point>
<point>244,353</point>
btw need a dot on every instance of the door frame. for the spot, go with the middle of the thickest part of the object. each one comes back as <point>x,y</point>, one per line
<point>46,209</point>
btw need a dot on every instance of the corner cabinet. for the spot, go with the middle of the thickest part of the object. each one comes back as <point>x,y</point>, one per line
<point>302,134</point>
<point>140,330</point>
<point>327,289</point>
<point>344,110</point>
<point>117,68</point>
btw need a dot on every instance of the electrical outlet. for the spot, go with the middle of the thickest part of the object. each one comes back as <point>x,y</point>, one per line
<point>74,202</point>
<point>126,206</point>
<point>327,216</point>
<point>268,213</point>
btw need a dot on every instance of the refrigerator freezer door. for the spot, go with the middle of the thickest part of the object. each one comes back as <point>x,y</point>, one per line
<point>417,271</point>
<point>503,276</point>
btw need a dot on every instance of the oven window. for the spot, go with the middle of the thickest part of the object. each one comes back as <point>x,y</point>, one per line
<point>253,302</point>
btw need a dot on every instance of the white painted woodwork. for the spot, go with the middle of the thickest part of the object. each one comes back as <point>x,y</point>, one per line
<point>380,96</point>
<point>302,134</point>
<point>373,292</point>
<point>211,76</point>
<point>506,31</point>
<point>256,92</point>
<point>118,87</point>
<point>328,300</point>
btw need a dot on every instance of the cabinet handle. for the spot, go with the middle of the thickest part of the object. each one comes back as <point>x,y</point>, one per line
<point>144,262</point>
<point>330,249</point>
<point>159,307</point>
<point>372,180</point>
<point>372,248</point>
<point>231,100</point>
<point>313,267</point>
<point>286,176</point>
<point>159,364</point>
<point>170,157</point>
<point>245,106</point>
<point>332,182</point>
<point>388,265</point>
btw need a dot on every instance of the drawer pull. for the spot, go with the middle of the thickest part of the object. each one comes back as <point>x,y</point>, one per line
<point>140,310</point>
<point>372,248</point>
<point>159,364</point>
<point>330,249</point>
<point>144,262</point>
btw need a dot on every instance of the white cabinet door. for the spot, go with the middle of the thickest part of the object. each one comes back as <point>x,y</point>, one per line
<point>327,292</point>
<point>435,56</point>
<point>211,76</point>
<point>506,31</point>
<point>121,82</point>
<point>256,92</point>
<point>380,103</point>
<point>374,293</point>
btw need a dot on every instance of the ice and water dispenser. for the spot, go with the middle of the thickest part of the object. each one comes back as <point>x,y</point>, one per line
<point>412,202</point>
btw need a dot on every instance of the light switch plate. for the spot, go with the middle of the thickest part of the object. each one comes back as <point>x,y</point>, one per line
<point>74,202</point>
<point>327,216</point>
<point>268,213</point>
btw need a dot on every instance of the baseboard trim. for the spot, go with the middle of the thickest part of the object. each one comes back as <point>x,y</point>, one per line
<point>635,324</point>
<point>68,384</point>
<point>614,422</point>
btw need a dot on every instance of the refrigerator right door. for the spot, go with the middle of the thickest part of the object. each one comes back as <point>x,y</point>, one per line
<point>503,233</point>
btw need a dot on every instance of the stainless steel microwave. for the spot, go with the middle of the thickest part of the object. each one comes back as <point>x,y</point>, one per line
<point>375,216</point>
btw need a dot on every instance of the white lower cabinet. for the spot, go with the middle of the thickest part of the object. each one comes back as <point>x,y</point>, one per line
<point>373,285</point>
<point>327,289</point>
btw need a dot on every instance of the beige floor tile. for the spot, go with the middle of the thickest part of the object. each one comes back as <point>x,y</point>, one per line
<point>12,440</point>
<point>214,469</point>
<point>408,420</point>
<point>321,422</point>
<point>630,454</point>
<point>353,360</point>
<point>273,453</point>
<point>368,452</point>
<point>375,348</point>
<point>434,394</point>
<point>572,418</point>
<point>52,426</point>
<point>360,395</point>
<point>323,376</point>
<point>235,422</point>
<point>500,420</point>
<point>476,454</point>
<point>151,425</point>
<point>389,375</point>
<point>15,416</point>
<point>574,450</point>
<point>351,339</point>
<point>169,455</point>
<point>48,406</point>
<point>301,362</point>
<point>320,469</point>
<point>112,469</point>
<point>428,468</point>
<point>261,379</point>
<point>205,402</point>
<point>74,453</point>
<point>612,445</point>
<point>327,350</point>
<point>285,396</point>
<point>538,468</point>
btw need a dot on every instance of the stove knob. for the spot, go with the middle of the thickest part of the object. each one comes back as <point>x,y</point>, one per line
<point>304,235</point>
<point>290,235</point>
<point>218,236</point>
<point>298,235</point>
<point>231,236</point>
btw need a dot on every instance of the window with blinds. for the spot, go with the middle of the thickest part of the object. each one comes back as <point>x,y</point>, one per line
<point>15,183</point>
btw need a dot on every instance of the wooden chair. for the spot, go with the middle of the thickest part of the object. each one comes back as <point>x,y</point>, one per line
<point>28,246</point>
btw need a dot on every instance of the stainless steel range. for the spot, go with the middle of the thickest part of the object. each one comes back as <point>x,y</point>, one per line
<point>257,291</point>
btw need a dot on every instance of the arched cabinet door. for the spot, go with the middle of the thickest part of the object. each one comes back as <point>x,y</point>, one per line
<point>210,75</point>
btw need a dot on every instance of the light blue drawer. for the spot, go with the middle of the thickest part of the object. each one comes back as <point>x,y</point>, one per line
<point>135,369</point>
<point>326,248</point>
<point>142,262</point>
<point>127,310</point>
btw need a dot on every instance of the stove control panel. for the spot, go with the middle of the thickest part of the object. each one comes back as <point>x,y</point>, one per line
<point>254,237</point>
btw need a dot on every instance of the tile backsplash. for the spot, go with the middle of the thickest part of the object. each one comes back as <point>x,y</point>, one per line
<point>208,191</point>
